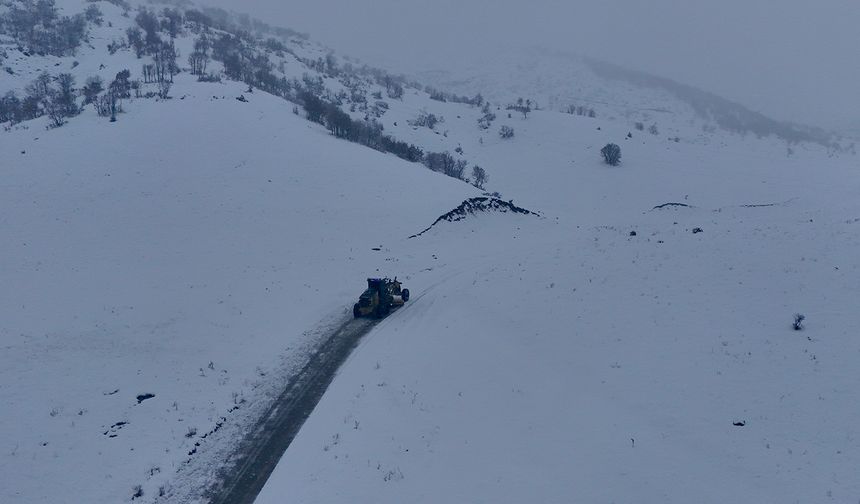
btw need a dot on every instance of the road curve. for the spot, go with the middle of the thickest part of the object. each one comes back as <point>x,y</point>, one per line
<point>265,444</point>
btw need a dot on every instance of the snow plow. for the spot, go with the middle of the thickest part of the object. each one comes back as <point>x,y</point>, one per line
<point>381,295</point>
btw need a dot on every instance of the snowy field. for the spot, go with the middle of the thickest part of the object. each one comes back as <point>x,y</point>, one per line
<point>563,360</point>
<point>163,276</point>
<point>549,361</point>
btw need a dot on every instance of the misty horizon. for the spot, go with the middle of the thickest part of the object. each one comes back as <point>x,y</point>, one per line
<point>777,62</point>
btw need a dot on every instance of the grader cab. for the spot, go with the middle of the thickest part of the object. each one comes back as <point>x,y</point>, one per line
<point>381,295</point>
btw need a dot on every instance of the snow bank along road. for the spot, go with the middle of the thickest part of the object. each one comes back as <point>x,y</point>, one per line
<point>263,447</point>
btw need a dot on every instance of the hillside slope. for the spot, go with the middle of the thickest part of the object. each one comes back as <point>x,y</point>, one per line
<point>184,251</point>
<point>614,355</point>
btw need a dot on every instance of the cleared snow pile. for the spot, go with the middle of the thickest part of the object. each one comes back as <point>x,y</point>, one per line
<point>473,206</point>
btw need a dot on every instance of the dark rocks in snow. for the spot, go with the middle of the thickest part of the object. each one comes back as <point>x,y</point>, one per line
<point>242,99</point>
<point>473,206</point>
<point>666,205</point>
<point>112,431</point>
<point>697,230</point>
<point>633,233</point>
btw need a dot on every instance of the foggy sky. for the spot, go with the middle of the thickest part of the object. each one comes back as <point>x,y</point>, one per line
<point>791,59</point>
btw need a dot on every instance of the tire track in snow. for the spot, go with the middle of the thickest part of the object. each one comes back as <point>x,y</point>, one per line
<point>261,450</point>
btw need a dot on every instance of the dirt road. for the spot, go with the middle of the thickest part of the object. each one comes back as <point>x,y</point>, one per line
<point>263,447</point>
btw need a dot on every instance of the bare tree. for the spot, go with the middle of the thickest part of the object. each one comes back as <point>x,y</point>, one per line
<point>164,89</point>
<point>522,106</point>
<point>199,58</point>
<point>479,177</point>
<point>198,62</point>
<point>148,22</point>
<point>149,73</point>
<point>458,169</point>
<point>67,94</point>
<point>40,87</point>
<point>165,62</point>
<point>172,22</point>
<point>442,162</point>
<point>136,41</point>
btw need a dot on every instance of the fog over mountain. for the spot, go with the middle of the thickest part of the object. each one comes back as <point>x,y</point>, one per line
<point>791,60</point>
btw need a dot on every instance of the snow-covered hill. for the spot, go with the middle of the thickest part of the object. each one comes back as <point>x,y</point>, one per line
<point>559,81</point>
<point>165,274</point>
<point>607,352</point>
<point>564,363</point>
<point>555,81</point>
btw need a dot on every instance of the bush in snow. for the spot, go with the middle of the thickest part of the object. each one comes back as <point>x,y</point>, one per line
<point>314,107</point>
<point>458,170</point>
<point>506,132</point>
<point>121,85</point>
<point>437,95</point>
<point>164,89</point>
<point>10,107</point>
<point>92,88</point>
<point>442,162</point>
<point>798,321</point>
<point>109,104</point>
<point>94,15</point>
<point>486,121</point>
<point>39,27</point>
<point>60,103</point>
<point>611,154</point>
<point>426,120</point>
<point>395,91</point>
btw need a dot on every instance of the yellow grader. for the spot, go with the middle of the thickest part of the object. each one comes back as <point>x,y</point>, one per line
<point>381,295</point>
